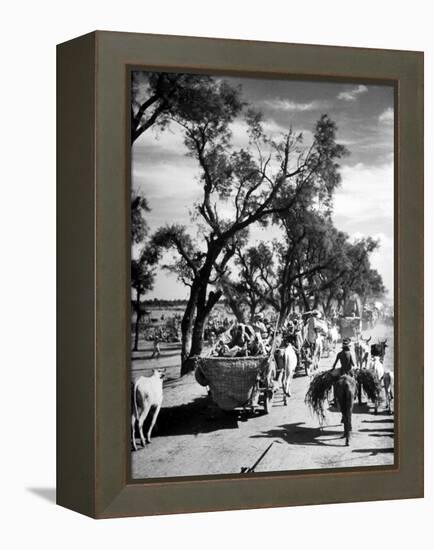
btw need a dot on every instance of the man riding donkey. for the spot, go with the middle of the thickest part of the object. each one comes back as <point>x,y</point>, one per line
<point>346,360</point>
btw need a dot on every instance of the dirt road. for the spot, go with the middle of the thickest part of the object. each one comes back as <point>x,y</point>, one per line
<point>195,438</point>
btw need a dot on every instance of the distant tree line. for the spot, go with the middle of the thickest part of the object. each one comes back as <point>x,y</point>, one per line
<point>160,303</point>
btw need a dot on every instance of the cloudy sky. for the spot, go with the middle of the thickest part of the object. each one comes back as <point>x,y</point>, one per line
<point>363,204</point>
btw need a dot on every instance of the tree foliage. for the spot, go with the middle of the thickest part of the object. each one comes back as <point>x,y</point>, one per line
<point>313,265</point>
<point>142,267</point>
<point>280,180</point>
<point>139,225</point>
<point>156,98</point>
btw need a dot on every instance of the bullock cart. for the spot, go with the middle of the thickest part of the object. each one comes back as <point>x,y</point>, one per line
<point>349,327</point>
<point>238,382</point>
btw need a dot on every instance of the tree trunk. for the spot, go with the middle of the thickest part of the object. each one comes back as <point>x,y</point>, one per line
<point>328,304</point>
<point>236,308</point>
<point>285,300</point>
<point>252,307</point>
<point>197,338</point>
<point>284,312</point>
<point>187,324</point>
<point>137,326</point>
<point>304,298</point>
<point>186,334</point>
<point>202,306</point>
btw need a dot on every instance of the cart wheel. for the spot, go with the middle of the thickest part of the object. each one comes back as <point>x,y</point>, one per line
<point>268,401</point>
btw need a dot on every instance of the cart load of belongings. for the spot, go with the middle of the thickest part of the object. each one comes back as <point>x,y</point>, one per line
<point>313,318</point>
<point>242,340</point>
<point>233,368</point>
<point>349,323</point>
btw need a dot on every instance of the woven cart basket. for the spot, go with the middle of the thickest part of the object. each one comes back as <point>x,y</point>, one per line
<point>231,379</point>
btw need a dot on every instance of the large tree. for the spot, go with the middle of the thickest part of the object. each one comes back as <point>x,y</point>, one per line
<point>250,184</point>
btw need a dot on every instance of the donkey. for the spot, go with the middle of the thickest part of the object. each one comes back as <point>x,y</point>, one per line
<point>345,390</point>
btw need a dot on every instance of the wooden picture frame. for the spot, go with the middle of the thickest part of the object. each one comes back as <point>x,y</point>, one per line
<point>93,274</point>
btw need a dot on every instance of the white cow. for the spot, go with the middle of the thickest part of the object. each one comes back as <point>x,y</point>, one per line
<point>377,368</point>
<point>317,350</point>
<point>316,331</point>
<point>286,360</point>
<point>362,351</point>
<point>147,395</point>
<point>333,336</point>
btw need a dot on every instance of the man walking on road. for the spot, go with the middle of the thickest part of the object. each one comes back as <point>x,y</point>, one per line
<point>156,351</point>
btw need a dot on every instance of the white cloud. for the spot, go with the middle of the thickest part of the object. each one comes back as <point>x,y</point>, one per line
<point>272,129</point>
<point>366,192</point>
<point>288,105</point>
<point>384,241</point>
<point>170,140</point>
<point>240,137</point>
<point>171,189</point>
<point>363,206</point>
<point>351,95</point>
<point>386,116</point>
<point>382,258</point>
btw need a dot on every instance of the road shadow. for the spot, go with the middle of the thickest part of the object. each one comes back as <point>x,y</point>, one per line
<point>148,356</point>
<point>196,417</point>
<point>380,421</point>
<point>374,452</point>
<point>364,408</point>
<point>300,373</point>
<point>46,493</point>
<point>298,434</point>
<point>376,430</point>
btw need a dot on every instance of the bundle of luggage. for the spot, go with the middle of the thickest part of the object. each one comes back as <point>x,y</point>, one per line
<point>242,341</point>
<point>249,349</point>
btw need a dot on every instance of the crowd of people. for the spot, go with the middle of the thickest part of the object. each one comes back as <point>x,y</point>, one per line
<point>244,340</point>
<point>256,338</point>
<point>309,333</point>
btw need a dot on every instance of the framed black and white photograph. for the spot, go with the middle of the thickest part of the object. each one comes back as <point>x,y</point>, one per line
<point>240,235</point>
<point>262,274</point>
